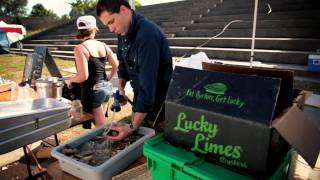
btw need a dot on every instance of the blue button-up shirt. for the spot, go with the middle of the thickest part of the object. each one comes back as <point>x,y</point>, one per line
<point>145,60</point>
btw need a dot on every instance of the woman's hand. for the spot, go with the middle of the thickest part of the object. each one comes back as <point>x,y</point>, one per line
<point>69,84</point>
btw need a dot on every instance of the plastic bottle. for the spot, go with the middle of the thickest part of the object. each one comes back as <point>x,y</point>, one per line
<point>76,110</point>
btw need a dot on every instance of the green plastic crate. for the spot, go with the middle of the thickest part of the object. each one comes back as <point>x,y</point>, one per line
<point>173,163</point>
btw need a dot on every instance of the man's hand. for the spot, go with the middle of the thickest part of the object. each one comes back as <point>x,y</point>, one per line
<point>123,132</point>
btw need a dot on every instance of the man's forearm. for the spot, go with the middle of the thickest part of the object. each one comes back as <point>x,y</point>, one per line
<point>122,84</point>
<point>137,119</point>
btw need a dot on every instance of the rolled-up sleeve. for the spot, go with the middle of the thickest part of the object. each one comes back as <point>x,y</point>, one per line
<point>148,60</point>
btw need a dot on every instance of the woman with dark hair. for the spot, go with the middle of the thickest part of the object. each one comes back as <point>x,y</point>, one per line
<point>91,57</point>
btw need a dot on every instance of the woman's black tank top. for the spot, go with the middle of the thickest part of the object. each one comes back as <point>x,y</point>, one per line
<point>96,68</point>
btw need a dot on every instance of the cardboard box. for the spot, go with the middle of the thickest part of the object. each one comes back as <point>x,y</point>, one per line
<point>228,119</point>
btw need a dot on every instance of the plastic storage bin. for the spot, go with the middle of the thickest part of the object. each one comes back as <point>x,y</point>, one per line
<point>173,163</point>
<point>110,167</point>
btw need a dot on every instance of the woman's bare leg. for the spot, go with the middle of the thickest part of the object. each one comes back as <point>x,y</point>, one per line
<point>98,114</point>
<point>105,106</point>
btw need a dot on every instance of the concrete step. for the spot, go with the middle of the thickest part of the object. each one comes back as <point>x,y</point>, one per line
<point>63,32</point>
<point>73,26</point>
<point>55,53</point>
<point>249,2</point>
<point>173,29</point>
<point>175,23</point>
<point>299,70</point>
<point>164,5</point>
<point>26,51</point>
<point>311,15</point>
<point>270,33</point>
<point>179,4</point>
<point>48,36</point>
<point>190,9</point>
<point>56,47</point>
<point>178,11</point>
<point>302,44</point>
<point>220,10</point>
<point>265,10</point>
<point>173,18</point>
<point>74,31</point>
<point>289,23</point>
<point>99,35</point>
<point>274,6</point>
<point>263,55</point>
<point>69,42</point>
<point>208,4</point>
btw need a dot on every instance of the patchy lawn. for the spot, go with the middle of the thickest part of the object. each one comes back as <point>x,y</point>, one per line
<point>11,66</point>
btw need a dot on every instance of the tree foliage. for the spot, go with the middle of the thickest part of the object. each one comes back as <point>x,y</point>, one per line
<point>81,7</point>
<point>13,7</point>
<point>40,10</point>
<point>65,17</point>
<point>137,3</point>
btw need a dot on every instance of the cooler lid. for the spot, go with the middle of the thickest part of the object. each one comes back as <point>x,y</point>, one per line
<point>246,97</point>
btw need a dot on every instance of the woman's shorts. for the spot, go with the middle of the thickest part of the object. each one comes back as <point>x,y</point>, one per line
<point>94,97</point>
<point>101,93</point>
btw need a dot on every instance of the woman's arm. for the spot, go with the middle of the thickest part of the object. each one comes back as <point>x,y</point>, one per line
<point>113,62</point>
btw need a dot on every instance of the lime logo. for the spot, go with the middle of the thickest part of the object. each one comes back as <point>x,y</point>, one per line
<point>216,88</point>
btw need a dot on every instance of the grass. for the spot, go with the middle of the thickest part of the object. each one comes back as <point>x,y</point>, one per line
<point>11,66</point>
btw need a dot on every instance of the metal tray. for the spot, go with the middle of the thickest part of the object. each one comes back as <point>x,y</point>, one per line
<point>16,113</point>
<point>25,128</point>
<point>33,136</point>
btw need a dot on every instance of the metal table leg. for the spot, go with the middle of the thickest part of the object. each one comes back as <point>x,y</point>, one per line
<point>30,176</point>
<point>27,160</point>
<point>56,139</point>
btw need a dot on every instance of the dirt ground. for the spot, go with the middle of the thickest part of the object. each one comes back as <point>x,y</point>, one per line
<point>18,169</point>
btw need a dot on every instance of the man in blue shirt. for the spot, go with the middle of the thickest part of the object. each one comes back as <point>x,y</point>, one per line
<point>144,59</point>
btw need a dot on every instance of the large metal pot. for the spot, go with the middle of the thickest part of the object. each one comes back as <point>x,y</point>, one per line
<point>50,87</point>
